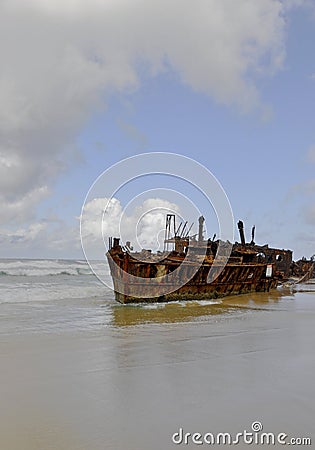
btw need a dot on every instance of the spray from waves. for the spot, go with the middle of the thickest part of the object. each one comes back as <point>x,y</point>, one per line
<point>40,268</point>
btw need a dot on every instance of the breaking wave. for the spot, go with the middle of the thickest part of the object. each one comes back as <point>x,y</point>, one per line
<point>38,268</point>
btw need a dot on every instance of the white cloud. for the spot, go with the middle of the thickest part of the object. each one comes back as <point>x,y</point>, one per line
<point>60,59</point>
<point>21,208</point>
<point>23,235</point>
<point>144,225</point>
<point>39,239</point>
<point>94,220</point>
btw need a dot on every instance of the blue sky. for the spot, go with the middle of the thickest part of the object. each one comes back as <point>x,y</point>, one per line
<point>231,87</point>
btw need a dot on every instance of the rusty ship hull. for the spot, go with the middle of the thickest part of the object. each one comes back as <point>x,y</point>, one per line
<point>235,278</point>
<point>203,274</point>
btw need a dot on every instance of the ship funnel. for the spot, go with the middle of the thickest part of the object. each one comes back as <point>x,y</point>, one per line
<point>116,242</point>
<point>241,230</point>
<point>200,233</point>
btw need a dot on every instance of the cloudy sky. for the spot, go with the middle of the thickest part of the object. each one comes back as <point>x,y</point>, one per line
<point>83,85</point>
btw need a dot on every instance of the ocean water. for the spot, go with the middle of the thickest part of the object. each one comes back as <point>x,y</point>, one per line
<point>80,371</point>
<point>63,295</point>
<point>47,295</point>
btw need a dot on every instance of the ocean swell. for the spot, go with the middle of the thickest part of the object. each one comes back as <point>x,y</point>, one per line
<point>39,268</point>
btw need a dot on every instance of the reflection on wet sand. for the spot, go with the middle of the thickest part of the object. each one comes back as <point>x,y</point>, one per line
<point>127,315</point>
<point>75,376</point>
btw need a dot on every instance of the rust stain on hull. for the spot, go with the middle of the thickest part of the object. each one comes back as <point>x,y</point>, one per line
<point>249,268</point>
<point>236,278</point>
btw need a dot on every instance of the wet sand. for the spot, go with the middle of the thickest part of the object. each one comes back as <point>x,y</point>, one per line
<point>133,382</point>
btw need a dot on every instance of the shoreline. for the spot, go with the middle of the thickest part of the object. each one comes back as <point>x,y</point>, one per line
<point>132,386</point>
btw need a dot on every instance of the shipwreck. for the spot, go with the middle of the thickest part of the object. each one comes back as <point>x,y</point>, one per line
<point>196,268</point>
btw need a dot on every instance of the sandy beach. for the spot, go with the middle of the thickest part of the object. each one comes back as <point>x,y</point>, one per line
<point>88,373</point>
